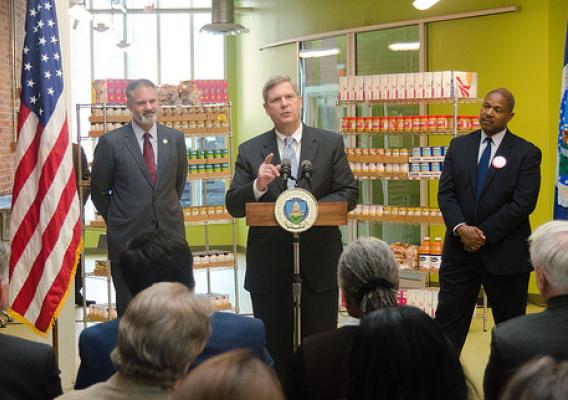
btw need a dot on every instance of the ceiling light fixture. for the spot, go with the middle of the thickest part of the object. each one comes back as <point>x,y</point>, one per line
<point>313,53</point>
<point>101,27</point>
<point>123,45</point>
<point>223,19</point>
<point>423,4</point>
<point>404,46</point>
<point>79,13</point>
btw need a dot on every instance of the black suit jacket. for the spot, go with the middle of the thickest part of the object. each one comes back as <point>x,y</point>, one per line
<point>502,212</point>
<point>122,191</point>
<point>28,370</point>
<point>519,340</point>
<point>269,249</point>
<point>319,368</point>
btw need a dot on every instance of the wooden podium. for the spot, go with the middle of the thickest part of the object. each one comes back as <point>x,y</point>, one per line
<point>329,214</point>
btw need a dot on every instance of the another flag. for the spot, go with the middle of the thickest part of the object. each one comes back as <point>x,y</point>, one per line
<point>45,231</point>
<point>561,190</point>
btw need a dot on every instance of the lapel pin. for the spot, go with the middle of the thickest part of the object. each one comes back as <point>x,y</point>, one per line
<point>165,141</point>
<point>499,162</point>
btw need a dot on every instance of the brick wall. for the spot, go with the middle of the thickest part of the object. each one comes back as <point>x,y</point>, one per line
<point>7,106</point>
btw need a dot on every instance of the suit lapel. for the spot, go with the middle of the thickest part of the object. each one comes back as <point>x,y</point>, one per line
<point>504,150</point>
<point>134,148</point>
<point>308,150</point>
<point>164,153</point>
<point>472,159</point>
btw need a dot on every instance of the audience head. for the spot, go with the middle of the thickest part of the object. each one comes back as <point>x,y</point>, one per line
<point>401,353</point>
<point>162,331</point>
<point>235,375</point>
<point>549,256</point>
<point>154,256</point>
<point>539,379</point>
<point>4,261</point>
<point>368,274</point>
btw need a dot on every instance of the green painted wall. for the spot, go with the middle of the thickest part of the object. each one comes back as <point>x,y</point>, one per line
<point>522,51</point>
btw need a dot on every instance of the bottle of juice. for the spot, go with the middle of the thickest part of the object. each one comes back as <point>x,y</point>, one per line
<point>436,254</point>
<point>424,254</point>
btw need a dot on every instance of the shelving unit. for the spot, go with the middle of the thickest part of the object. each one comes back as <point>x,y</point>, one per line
<point>202,126</point>
<point>387,164</point>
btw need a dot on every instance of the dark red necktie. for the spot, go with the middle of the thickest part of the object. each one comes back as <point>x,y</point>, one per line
<point>148,154</point>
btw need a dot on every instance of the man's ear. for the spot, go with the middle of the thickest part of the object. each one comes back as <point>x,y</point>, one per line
<point>541,280</point>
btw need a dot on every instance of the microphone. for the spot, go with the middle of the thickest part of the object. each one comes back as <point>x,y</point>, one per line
<point>307,170</point>
<point>285,171</point>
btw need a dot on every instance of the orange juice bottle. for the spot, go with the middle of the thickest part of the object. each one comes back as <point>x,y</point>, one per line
<point>436,254</point>
<point>424,254</point>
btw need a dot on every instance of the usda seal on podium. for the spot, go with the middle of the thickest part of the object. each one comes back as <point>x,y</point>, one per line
<point>296,210</point>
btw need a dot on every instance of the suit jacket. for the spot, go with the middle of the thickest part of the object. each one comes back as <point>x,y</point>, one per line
<point>521,339</point>
<point>122,191</point>
<point>319,367</point>
<point>228,332</point>
<point>119,387</point>
<point>28,370</point>
<point>508,197</point>
<point>269,249</point>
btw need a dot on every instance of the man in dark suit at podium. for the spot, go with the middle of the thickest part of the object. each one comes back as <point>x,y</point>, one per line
<point>488,189</point>
<point>269,267</point>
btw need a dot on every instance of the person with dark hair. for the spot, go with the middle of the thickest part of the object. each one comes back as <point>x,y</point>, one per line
<point>269,249</point>
<point>138,178</point>
<point>164,328</point>
<point>401,353</point>
<point>539,379</point>
<point>235,375</point>
<point>521,339</point>
<point>163,256</point>
<point>488,189</point>
<point>368,275</point>
<point>80,162</point>
<point>28,370</point>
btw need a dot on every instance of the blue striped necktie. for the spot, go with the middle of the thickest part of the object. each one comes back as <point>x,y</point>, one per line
<point>290,154</point>
<point>483,166</point>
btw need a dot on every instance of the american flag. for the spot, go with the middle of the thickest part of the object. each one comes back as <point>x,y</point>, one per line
<point>44,227</point>
<point>561,189</point>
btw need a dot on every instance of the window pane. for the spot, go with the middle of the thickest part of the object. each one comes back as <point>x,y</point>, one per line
<point>320,76</point>
<point>143,52</point>
<point>209,52</point>
<point>374,57</point>
<point>182,3</point>
<point>175,48</point>
<point>108,58</point>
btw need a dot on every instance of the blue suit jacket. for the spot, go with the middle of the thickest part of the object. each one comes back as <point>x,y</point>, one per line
<point>228,332</point>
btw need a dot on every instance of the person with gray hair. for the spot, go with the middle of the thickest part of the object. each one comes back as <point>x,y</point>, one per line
<point>28,370</point>
<point>269,249</point>
<point>138,178</point>
<point>516,341</point>
<point>163,329</point>
<point>368,275</point>
<point>540,379</point>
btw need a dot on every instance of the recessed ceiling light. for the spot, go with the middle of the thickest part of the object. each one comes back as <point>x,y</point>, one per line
<point>318,53</point>
<point>423,4</point>
<point>404,46</point>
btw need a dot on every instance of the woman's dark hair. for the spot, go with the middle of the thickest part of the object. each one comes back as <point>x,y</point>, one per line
<point>400,353</point>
